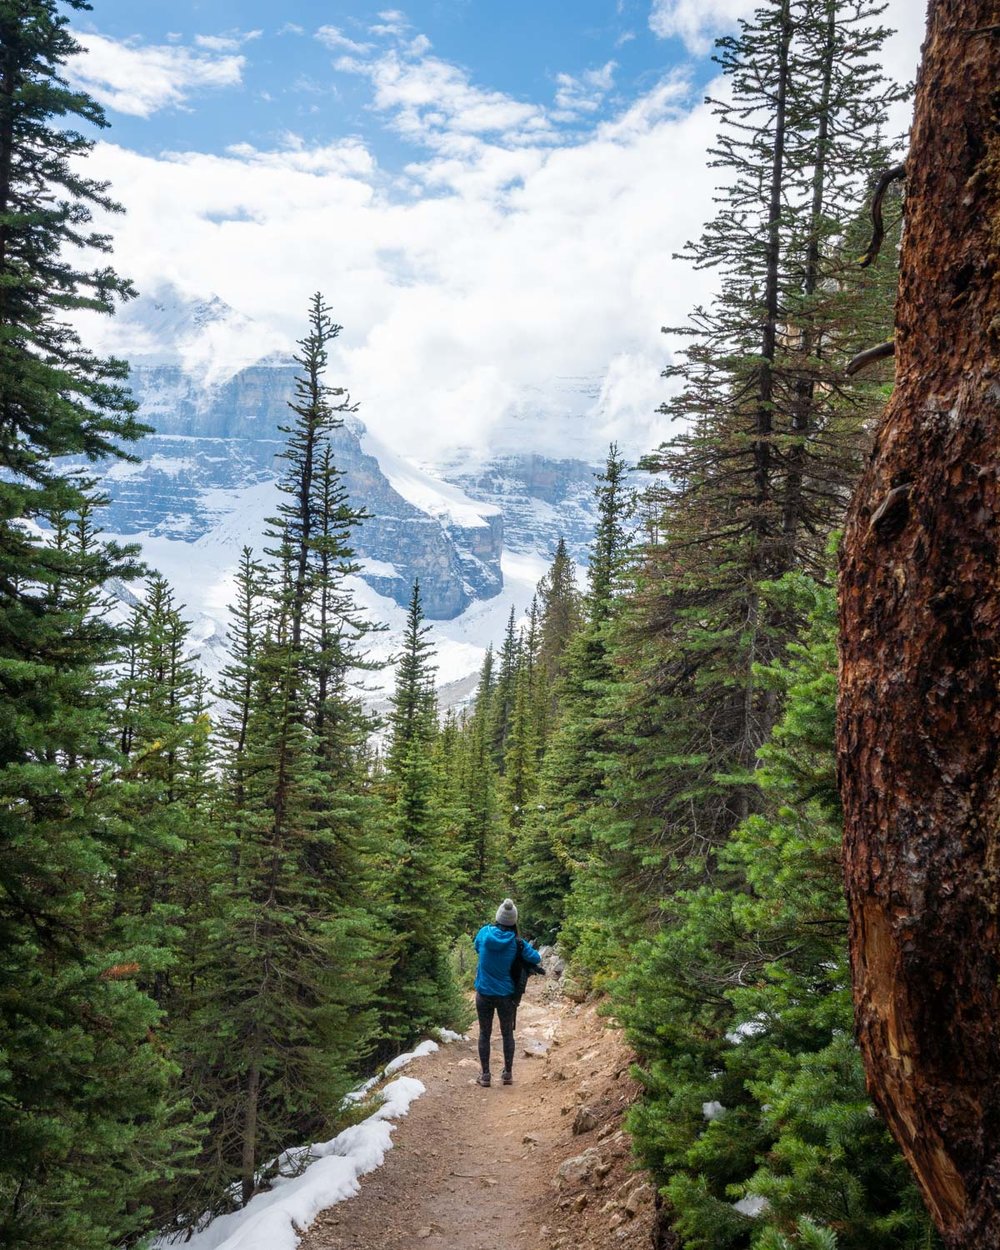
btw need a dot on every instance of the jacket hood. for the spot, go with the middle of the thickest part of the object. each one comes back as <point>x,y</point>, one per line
<point>498,939</point>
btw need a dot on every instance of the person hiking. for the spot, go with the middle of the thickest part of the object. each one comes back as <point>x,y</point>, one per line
<point>498,946</point>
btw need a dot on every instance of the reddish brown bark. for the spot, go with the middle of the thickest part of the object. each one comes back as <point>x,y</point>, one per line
<point>919,722</point>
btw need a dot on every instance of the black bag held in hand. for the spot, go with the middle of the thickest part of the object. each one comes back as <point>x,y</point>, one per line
<point>520,970</point>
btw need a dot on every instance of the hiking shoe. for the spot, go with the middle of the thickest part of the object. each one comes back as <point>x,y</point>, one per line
<point>483,1079</point>
<point>506,1077</point>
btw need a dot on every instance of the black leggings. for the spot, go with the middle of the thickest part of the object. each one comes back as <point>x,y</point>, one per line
<point>506,1010</point>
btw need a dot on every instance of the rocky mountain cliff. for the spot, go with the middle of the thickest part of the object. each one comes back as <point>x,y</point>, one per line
<point>213,444</point>
<point>478,527</point>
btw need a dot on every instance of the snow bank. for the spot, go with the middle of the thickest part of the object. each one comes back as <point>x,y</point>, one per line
<point>425,1048</point>
<point>276,1218</point>
<point>448,1035</point>
<point>430,494</point>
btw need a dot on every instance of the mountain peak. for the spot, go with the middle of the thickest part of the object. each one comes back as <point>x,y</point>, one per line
<point>204,336</point>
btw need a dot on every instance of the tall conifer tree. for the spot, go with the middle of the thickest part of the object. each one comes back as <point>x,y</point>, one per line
<point>82,1091</point>
<point>773,432</point>
<point>290,974</point>
<point>421,993</point>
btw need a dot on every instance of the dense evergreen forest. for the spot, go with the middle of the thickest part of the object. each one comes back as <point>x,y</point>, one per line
<point>221,908</point>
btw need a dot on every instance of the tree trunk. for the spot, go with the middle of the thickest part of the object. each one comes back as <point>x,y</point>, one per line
<point>764,426</point>
<point>249,1160</point>
<point>919,716</point>
<point>804,389</point>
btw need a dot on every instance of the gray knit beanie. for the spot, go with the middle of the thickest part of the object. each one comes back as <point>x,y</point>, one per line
<point>507,913</point>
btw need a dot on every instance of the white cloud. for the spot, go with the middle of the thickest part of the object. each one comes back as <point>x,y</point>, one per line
<point>334,37</point>
<point>464,304</point>
<point>696,22</point>
<point>585,93</point>
<point>393,22</point>
<point>433,102</point>
<point>511,272</point>
<point>231,41</point>
<point>141,79</point>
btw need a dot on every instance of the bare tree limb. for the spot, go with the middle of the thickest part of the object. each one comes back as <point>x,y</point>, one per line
<point>890,176</point>
<point>868,357</point>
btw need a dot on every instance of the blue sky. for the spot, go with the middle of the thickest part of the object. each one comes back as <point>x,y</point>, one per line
<point>289,82</point>
<point>490,195</point>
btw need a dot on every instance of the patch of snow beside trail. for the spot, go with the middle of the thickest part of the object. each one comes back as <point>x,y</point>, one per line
<point>276,1218</point>
<point>425,1048</point>
<point>273,1220</point>
<point>449,1035</point>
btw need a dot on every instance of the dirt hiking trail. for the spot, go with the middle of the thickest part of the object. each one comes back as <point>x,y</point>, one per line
<point>542,1164</point>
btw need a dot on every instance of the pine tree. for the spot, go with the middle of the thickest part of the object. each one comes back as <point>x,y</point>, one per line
<point>742,1013</point>
<point>283,1006</point>
<point>478,848</point>
<point>84,1108</point>
<point>336,629</point>
<point>502,702</point>
<point>521,759</point>
<point>760,474</point>
<point>556,850</point>
<point>295,527</point>
<point>237,679</point>
<point>413,718</point>
<point>559,611</point>
<point>421,993</point>
<point>160,796</point>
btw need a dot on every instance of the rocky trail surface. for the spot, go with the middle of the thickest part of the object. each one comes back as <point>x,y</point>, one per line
<point>540,1165</point>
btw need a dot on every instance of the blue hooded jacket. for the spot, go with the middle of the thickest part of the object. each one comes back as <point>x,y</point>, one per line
<point>496,947</point>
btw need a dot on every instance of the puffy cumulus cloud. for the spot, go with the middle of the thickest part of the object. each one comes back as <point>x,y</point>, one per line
<point>504,291</point>
<point>434,103</point>
<point>141,79</point>
<point>584,93</point>
<point>492,290</point>
<point>696,22</point>
<point>431,101</point>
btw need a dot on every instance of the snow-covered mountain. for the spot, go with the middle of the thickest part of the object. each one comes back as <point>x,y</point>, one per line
<point>478,530</point>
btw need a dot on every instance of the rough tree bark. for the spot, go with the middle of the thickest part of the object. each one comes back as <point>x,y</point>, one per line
<point>919,722</point>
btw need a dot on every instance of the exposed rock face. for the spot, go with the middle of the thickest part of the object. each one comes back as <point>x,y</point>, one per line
<point>540,499</point>
<point>215,386</point>
<point>213,444</point>
<point>212,462</point>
